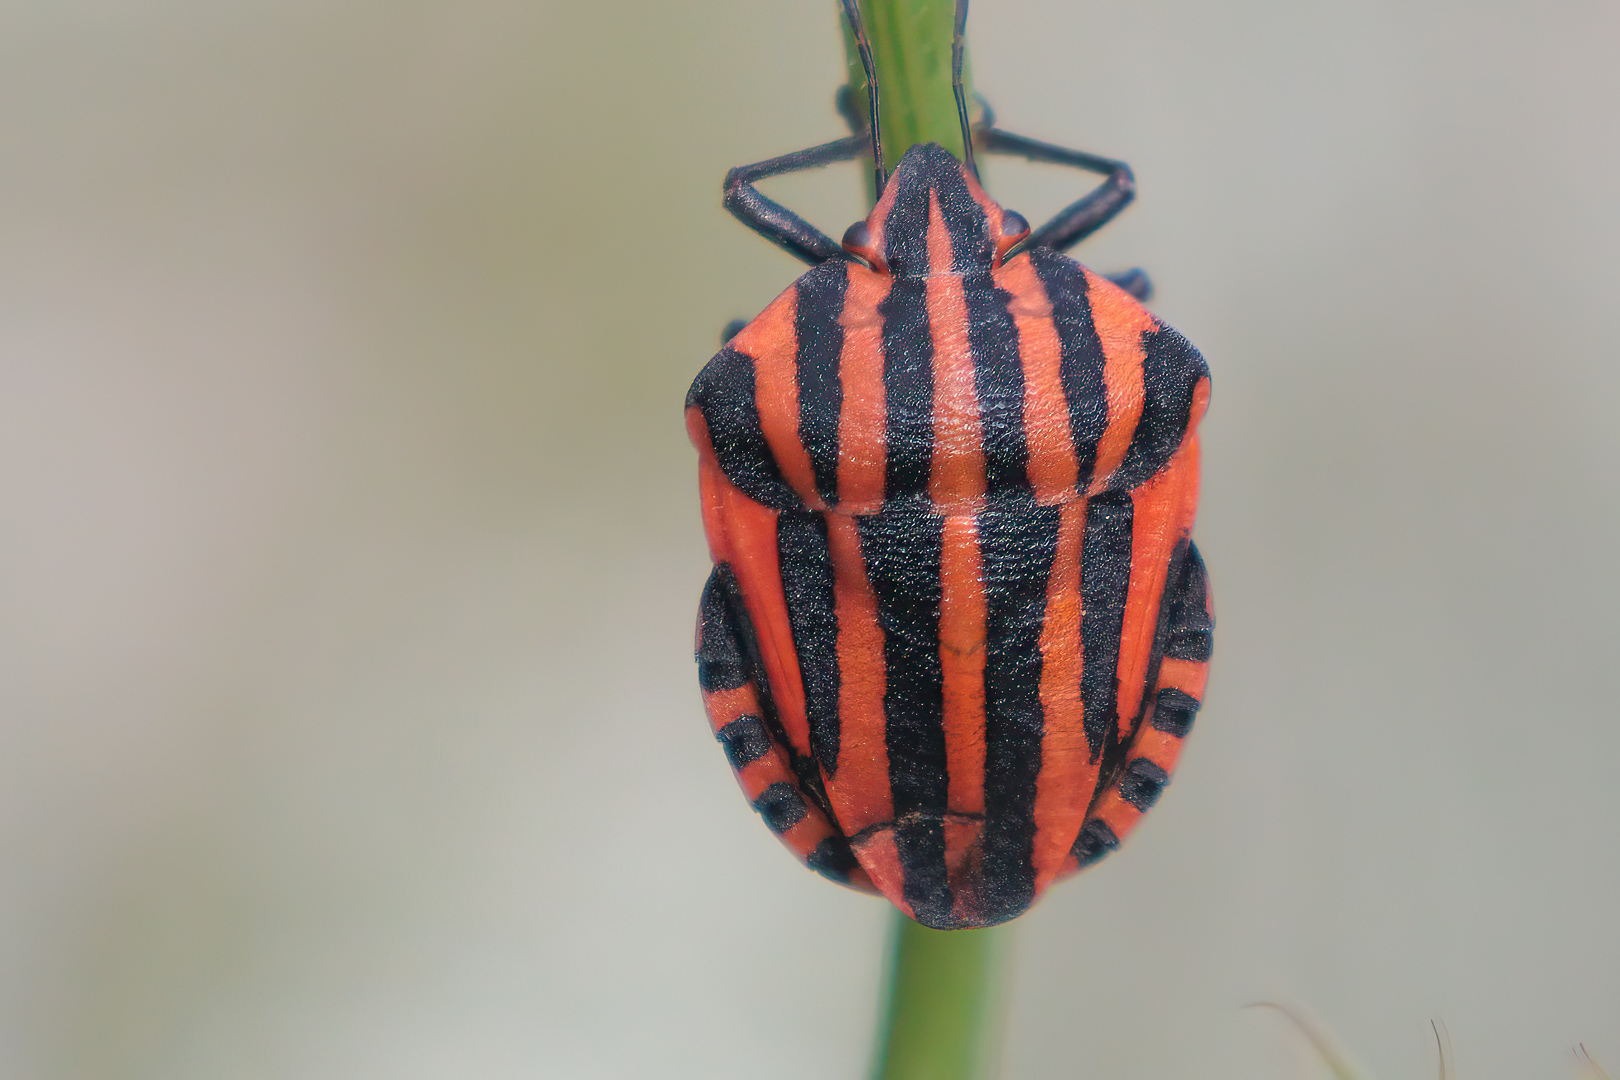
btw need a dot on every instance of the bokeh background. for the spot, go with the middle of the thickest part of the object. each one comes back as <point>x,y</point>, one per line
<point>349,545</point>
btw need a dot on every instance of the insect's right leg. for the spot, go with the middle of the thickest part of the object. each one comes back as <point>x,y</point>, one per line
<point>776,222</point>
<point>741,713</point>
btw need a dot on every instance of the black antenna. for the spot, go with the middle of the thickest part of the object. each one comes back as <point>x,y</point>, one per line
<point>852,12</point>
<point>956,86</point>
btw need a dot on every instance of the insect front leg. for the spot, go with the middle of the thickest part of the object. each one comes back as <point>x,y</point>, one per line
<point>776,222</point>
<point>1154,748</point>
<point>744,720</point>
<point>1085,215</point>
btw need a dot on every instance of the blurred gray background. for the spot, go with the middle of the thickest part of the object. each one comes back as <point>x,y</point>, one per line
<point>349,544</point>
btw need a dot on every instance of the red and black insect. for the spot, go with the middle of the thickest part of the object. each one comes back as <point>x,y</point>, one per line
<point>956,629</point>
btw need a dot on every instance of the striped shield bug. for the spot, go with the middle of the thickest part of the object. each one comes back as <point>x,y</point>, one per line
<point>956,628</point>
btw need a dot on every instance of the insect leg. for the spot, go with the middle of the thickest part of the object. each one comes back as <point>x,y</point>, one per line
<point>741,713</point>
<point>1173,700</point>
<point>1134,281</point>
<point>1084,216</point>
<point>776,222</point>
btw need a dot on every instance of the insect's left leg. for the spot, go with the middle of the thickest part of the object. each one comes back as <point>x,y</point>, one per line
<point>1084,216</point>
<point>740,711</point>
<point>1174,699</point>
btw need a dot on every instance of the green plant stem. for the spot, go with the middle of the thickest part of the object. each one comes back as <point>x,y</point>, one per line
<point>943,1012</point>
<point>911,45</point>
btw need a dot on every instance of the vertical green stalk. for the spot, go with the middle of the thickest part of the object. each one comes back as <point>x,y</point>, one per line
<point>911,44</point>
<point>943,1015</point>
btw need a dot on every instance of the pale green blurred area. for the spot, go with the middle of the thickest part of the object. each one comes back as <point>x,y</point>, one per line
<point>349,548</point>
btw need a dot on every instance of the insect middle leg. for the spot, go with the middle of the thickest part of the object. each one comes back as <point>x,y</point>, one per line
<point>741,713</point>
